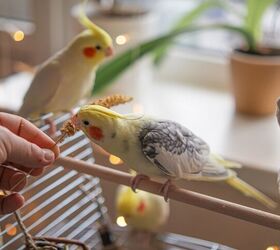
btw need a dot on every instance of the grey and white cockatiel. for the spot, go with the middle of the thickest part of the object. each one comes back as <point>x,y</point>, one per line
<point>67,77</point>
<point>159,148</point>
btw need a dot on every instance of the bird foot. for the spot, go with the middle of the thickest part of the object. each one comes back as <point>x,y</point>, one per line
<point>136,180</point>
<point>166,188</point>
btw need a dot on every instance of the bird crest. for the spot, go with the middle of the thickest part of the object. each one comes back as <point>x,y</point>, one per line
<point>100,110</point>
<point>87,23</point>
<point>97,109</point>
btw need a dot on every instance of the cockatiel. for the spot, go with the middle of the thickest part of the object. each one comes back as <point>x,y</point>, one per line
<point>159,148</point>
<point>141,210</point>
<point>66,78</point>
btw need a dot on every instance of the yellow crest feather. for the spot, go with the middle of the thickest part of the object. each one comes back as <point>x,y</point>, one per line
<point>87,23</point>
<point>97,109</point>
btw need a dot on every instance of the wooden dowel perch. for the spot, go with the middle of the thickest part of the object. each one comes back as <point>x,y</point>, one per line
<point>192,198</point>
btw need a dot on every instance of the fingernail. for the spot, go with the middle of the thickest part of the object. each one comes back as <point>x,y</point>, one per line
<point>48,155</point>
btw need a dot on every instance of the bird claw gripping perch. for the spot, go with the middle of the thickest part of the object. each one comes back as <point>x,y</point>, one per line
<point>165,188</point>
<point>136,180</point>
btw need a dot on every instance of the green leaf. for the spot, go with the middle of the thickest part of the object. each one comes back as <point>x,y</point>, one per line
<point>111,70</point>
<point>185,21</point>
<point>255,13</point>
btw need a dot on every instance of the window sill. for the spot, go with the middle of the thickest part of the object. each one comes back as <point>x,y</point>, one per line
<point>199,68</point>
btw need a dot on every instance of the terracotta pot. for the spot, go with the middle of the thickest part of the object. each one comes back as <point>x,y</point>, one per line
<point>255,82</point>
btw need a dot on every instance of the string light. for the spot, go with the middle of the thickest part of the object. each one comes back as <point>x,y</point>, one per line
<point>121,221</point>
<point>115,160</point>
<point>18,36</point>
<point>11,229</point>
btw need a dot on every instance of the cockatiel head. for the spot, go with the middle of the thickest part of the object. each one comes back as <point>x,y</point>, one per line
<point>97,122</point>
<point>141,210</point>
<point>93,44</point>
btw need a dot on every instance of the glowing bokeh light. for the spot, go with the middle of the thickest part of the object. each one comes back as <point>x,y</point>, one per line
<point>273,248</point>
<point>115,160</point>
<point>11,229</point>
<point>18,36</point>
<point>121,39</point>
<point>121,221</point>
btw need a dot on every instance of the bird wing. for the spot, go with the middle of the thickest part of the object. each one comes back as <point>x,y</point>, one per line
<point>174,149</point>
<point>216,169</point>
<point>42,89</point>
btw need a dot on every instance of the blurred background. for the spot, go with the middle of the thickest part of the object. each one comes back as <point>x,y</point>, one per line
<point>192,85</point>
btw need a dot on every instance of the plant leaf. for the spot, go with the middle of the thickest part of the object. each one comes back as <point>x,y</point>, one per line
<point>184,22</point>
<point>111,70</point>
<point>255,12</point>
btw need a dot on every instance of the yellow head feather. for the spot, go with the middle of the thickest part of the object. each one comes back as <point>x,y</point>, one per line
<point>100,110</point>
<point>98,32</point>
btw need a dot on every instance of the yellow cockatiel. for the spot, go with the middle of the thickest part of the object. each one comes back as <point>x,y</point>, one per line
<point>141,210</point>
<point>68,77</point>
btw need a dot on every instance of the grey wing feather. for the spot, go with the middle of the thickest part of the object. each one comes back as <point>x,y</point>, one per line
<point>174,149</point>
<point>42,89</point>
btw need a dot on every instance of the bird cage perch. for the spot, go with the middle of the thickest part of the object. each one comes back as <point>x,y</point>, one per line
<point>203,201</point>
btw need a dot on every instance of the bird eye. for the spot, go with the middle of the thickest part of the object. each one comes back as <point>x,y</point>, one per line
<point>98,47</point>
<point>86,123</point>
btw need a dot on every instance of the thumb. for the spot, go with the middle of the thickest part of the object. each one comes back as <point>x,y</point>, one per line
<point>17,150</point>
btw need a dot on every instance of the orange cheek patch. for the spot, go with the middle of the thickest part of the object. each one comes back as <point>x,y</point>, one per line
<point>96,133</point>
<point>141,207</point>
<point>89,52</point>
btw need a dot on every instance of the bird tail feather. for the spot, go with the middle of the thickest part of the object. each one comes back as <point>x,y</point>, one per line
<point>223,162</point>
<point>249,190</point>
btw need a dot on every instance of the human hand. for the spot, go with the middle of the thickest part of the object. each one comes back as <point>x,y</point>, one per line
<point>27,150</point>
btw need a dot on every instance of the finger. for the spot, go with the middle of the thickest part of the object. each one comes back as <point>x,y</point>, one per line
<point>9,178</point>
<point>28,131</point>
<point>11,203</point>
<point>17,150</point>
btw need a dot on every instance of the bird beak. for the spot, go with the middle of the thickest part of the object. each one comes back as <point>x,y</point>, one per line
<point>109,51</point>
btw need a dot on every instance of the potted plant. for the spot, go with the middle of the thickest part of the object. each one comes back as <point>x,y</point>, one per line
<point>255,69</point>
